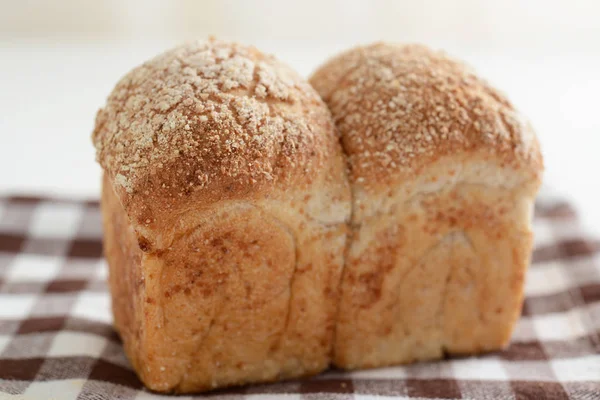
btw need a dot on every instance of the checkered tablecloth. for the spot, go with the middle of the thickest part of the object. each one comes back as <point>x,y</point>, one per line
<point>57,342</point>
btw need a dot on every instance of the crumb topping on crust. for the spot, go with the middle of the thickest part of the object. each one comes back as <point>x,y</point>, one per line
<point>400,107</point>
<point>208,111</point>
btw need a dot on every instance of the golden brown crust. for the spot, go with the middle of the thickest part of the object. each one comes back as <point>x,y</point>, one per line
<point>443,173</point>
<point>125,274</point>
<point>225,206</point>
<point>400,108</point>
<point>441,273</point>
<point>208,121</point>
<point>248,295</point>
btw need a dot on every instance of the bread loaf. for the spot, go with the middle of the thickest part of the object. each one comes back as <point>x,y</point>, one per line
<point>245,244</point>
<point>443,173</point>
<point>225,208</point>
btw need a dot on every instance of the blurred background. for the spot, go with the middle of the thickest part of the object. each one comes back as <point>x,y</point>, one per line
<point>60,59</point>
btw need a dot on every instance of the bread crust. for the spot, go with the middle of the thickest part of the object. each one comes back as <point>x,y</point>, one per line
<point>206,122</point>
<point>234,279</point>
<point>443,172</point>
<point>250,295</point>
<point>400,108</point>
<point>229,223</point>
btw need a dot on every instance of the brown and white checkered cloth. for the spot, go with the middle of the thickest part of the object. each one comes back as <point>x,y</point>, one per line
<point>57,342</point>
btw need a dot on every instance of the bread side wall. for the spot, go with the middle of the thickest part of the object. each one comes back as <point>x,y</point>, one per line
<point>247,295</point>
<point>435,272</point>
<point>127,287</point>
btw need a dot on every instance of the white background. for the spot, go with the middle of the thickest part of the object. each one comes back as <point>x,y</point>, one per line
<point>60,59</point>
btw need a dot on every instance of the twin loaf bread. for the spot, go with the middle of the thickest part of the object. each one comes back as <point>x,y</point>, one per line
<point>225,210</point>
<point>236,251</point>
<point>443,174</point>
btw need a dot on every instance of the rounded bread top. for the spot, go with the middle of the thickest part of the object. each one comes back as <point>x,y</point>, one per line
<point>400,108</point>
<point>215,118</point>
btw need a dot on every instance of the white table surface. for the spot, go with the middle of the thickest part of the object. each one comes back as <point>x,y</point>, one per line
<point>49,94</point>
